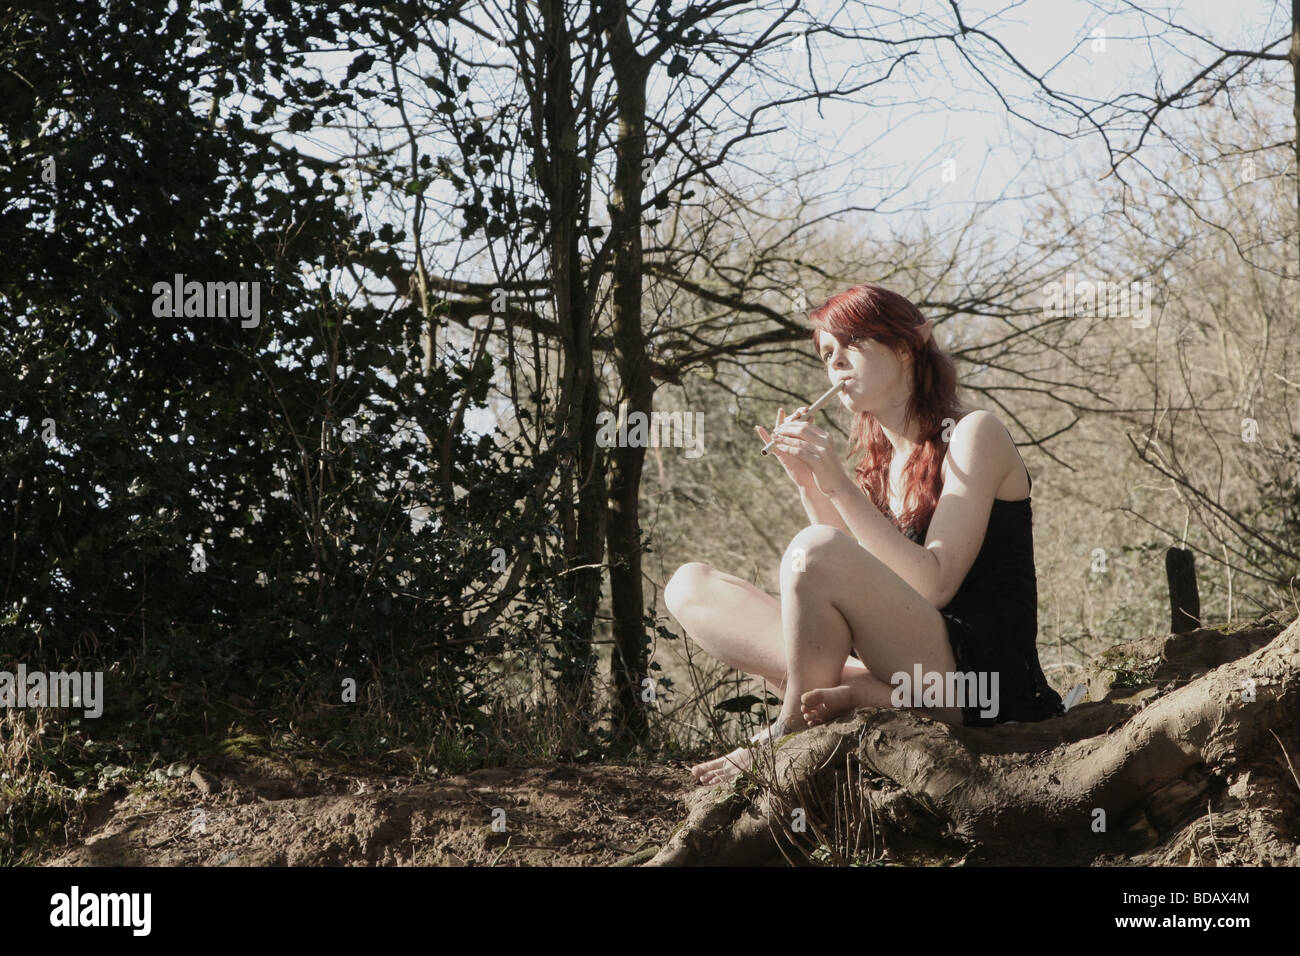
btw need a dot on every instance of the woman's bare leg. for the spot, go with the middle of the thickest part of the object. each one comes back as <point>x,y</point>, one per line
<point>741,625</point>
<point>733,621</point>
<point>840,595</point>
<point>837,596</point>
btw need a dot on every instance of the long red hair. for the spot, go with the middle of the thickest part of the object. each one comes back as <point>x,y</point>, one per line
<point>874,312</point>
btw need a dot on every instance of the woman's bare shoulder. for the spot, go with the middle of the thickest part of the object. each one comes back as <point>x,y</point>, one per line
<point>980,442</point>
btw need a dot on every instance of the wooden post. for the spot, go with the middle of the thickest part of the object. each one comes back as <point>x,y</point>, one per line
<point>1184,599</point>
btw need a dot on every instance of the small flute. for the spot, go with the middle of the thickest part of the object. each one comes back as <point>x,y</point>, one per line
<point>812,408</point>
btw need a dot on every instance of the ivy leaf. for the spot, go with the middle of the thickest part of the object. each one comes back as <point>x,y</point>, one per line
<point>362,63</point>
<point>418,185</point>
<point>438,86</point>
<point>739,705</point>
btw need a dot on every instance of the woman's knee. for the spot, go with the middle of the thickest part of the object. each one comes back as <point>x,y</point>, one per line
<point>813,544</point>
<point>686,586</point>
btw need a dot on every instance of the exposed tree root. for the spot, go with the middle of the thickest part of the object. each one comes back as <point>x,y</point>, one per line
<point>1169,762</point>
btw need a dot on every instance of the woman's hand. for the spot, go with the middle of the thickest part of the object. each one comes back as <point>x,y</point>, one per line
<point>808,452</point>
<point>797,471</point>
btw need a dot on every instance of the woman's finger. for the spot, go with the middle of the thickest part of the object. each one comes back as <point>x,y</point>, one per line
<point>805,432</point>
<point>766,437</point>
<point>799,448</point>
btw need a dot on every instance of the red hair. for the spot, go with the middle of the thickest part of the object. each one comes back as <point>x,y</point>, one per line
<point>872,311</point>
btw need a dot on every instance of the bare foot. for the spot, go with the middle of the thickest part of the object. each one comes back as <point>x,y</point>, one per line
<point>725,768</point>
<point>826,703</point>
<point>728,767</point>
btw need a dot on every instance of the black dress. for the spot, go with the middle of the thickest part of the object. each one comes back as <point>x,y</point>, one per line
<point>993,618</point>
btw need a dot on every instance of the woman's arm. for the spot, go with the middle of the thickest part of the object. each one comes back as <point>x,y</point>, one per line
<point>816,505</point>
<point>979,457</point>
<point>820,509</point>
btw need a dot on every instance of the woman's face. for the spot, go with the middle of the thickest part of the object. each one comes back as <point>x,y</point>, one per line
<point>875,377</point>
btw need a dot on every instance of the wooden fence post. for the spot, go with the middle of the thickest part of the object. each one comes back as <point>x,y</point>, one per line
<point>1184,599</point>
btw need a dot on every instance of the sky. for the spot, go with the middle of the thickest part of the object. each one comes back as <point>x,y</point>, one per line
<point>938,108</point>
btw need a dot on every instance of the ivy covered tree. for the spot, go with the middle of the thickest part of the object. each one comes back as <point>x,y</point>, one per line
<point>229,503</point>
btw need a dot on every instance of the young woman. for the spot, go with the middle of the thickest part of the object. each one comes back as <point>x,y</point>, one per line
<point>923,557</point>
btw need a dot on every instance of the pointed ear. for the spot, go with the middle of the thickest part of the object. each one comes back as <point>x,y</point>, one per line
<point>927,330</point>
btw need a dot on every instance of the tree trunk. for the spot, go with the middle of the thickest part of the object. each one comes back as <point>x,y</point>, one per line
<point>1295,96</point>
<point>1184,756</point>
<point>628,663</point>
<point>579,402</point>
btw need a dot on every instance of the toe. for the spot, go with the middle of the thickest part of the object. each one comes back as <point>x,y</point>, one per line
<point>702,770</point>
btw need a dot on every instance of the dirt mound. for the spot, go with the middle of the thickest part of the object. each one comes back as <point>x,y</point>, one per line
<point>271,813</point>
<point>1183,754</point>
